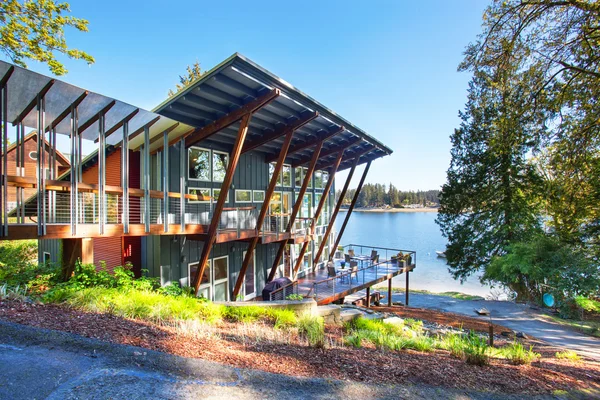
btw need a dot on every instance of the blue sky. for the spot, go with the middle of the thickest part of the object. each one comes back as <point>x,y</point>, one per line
<point>387,66</point>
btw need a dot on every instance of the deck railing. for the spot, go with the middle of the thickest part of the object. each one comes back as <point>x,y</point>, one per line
<point>350,281</point>
<point>283,292</point>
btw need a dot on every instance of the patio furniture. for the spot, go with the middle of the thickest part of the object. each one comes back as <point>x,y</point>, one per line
<point>331,272</point>
<point>347,258</point>
<point>351,252</point>
<point>373,253</point>
<point>374,259</point>
<point>354,271</point>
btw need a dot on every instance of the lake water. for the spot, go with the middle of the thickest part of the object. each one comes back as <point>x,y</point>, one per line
<point>411,231</point>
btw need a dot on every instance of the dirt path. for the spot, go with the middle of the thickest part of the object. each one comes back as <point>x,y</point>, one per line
<point>38,363</point>
<point>519,317</point>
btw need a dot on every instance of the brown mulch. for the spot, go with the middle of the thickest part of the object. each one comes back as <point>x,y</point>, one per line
<point>294,358</point>
<point>443,318</point>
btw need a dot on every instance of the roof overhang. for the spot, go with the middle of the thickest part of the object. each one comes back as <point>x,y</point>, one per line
<point>238,81</point>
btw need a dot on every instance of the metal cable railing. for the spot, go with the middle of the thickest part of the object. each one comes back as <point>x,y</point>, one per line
<point>283,292</point>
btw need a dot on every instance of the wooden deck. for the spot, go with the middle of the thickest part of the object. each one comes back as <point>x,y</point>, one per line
<point>328,290</point>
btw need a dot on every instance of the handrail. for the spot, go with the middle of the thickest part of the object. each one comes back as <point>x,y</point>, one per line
<point>294,286</point>
<point>377,247</point>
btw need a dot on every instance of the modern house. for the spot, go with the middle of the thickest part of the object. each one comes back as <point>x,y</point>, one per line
<point>228,184</point>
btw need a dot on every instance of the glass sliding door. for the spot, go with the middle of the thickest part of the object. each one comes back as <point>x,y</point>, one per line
<point>250,278</point>
<point>221,278</point>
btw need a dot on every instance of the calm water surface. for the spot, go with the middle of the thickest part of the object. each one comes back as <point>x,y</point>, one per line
<point>412,231</point>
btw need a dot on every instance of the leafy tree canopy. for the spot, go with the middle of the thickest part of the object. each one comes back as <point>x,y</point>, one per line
<point>35,30</point>
<point>193,73</point>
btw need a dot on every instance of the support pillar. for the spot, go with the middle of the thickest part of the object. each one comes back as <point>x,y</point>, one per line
<point>146,158</point>
<point>368,299</point>
<point>101,174</point>
<point>354,199</point>
<point>214,223</point>
<point>297,205</point>
<point>390,292</point>
<point>125,176</point>
<point>182,159</point>
<point>407,289</point>
<point>334,215</point>
<point>165,172</point>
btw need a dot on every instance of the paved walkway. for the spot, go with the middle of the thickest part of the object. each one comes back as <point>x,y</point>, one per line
<point>518,317</point>
<point>41,364</point>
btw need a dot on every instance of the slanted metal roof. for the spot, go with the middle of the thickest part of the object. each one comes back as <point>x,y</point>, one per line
<point>237,81</point>
<point>23,87</point>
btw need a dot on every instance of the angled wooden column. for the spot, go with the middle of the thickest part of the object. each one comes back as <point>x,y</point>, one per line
<point>354,199</point>
<point>335,212</point>
<point>317,213</point>
<point>4,163</point>
<point>214,223</point>
<point>297,205</point>
<point>263,211</point>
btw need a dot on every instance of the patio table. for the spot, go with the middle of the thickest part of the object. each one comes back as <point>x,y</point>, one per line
<point>361,258</point>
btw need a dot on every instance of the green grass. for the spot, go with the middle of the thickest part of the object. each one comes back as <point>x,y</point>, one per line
<point>313,329</point>
<point>591,328</point>
<point>518,354</point>
<point>567,355</point>
<point>588,305</point>
<point>281,318</point>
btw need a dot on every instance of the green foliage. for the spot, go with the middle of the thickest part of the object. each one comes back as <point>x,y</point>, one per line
<point>588,305</point>
<point>518,354</point>
<point>175,289</point>
<point>193,73</point>
<point>35,30</point>
<point>388,336</point>
<point>313,329</point>
<point>13,292</point>
<point>567,355</point>
<point>476,350</point>
<point>295,297</point>
<point>542,263</point>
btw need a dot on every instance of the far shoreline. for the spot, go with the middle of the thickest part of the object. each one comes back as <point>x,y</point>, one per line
<point>393,210</point>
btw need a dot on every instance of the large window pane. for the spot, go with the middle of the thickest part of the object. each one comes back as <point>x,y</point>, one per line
<point>325,179</point>
<point>271,171</point>
<point>243,196</point>
<point>298,176</point>
<point>202,193</point>
<point>198,164</point>
<point>287,175</point>
<point>318,179</point>
<point>220,268</point>
<point>304,173</point>
<point>220,161</point>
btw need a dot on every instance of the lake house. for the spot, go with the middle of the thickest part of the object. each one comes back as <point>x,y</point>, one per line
<point>224,186</point>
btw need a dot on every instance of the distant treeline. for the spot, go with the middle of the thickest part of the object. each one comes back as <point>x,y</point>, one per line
<point>378,195</point>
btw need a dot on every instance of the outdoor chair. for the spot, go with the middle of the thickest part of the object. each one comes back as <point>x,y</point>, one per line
<point>354,271</point>
<point>347,258</point>
<point>351,252</point>
<point>374,259</point>
<point>373,254</point>
<point>331,273</point>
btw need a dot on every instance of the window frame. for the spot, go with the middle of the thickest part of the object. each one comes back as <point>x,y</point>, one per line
<point>190,201</point>
<point>243,201</point>
<point>298,176</point>
<point>209,164</point>
<point>222,280</point>
<point>282,176</point>
<point>254,196</point>
<point>212,165</point>
<point>215,197</point>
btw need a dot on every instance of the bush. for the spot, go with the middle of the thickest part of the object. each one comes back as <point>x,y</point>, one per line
<point>518,355</point>
<point>19,267</point>
<point>313,329</point>
<point>475,350</point>
<point>567,355</point>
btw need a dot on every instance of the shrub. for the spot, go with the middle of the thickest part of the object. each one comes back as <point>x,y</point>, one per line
<point>420,343</point>
<point>283,318</point>
<point>454,343</point>
<point>313,329</point>
<point>518,355</point>
<point>588,305</point>
<point>295,297</point>
<point>475,350</point>
<point>567,355</point>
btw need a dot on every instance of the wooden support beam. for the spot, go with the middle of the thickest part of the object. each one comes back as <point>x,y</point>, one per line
<point>297,205</point>
<point>214,223</point>
<point>139,130</point>
<point>67,111</point>
<point>280,132</point>
<point>407,289</point>
<point>368,299</point>
<point>200,134</point>
<point>390,292</point>
<point>263,210</point>
<point>328,152</point>
<point>358,154</point>
<point>322,137</point>
<point>352,204</point>
<point>317,213</point>
<point>119,124</point>
<point>33,103</point>
<point>334,215</point>
<point>95,118</point>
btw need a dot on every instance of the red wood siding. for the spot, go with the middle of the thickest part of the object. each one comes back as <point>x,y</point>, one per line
<point>108,249</point>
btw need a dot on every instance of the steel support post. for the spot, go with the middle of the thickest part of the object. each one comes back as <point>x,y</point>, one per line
<point>182,162</point>
<point>41,210</point>
<point>165,172</point>
<point>4,121</point>
<point>101,175</point>
<point>146,158</point>
<point>125,176</point>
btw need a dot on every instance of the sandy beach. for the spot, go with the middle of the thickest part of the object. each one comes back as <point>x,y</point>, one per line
<point>393,210</point>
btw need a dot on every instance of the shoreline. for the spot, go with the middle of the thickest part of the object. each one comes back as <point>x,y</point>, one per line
<point>393,210</point>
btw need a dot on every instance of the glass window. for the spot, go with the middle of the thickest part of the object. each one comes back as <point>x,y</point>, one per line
<point>275,203</point>
<point>325,179</point>
<point>220,268</point>
<point>217,193</point>
<point>198,164</point>
<point>298,176</point>
<point>202,193</point>
<point>304,173</point>
<point>258,196</point>
<point>318,179</point>
<point>220,161</point>
<point>287,175</point>
<point>271,171</point>
<point>193,270</point>
<point>243,196</point>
